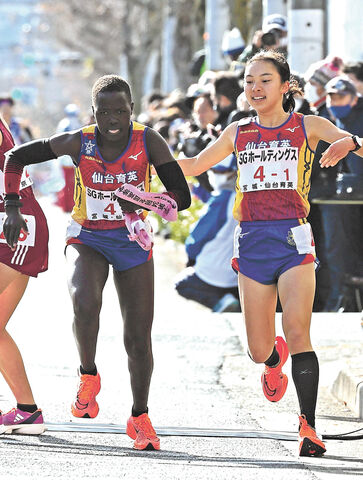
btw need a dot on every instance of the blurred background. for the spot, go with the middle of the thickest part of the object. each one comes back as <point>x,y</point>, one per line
<point>51,52</point>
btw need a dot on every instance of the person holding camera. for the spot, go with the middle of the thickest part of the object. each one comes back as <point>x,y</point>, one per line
<point>260,41</point>
<point>275,31</point>
<point>273,36</point>
<point>195,137</point>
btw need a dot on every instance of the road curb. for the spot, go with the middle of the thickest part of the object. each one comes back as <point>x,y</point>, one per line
<point>348,387</point>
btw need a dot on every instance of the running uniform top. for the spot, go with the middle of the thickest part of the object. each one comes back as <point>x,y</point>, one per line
<point>274,168</point>
<point>96,179</point>
<point>31,254</point>
<point>25,182</point>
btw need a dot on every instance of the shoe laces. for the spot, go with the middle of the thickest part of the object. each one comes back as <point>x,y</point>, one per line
<point>86,387</point>
<point>143,424</point>
<point>13,410</point>
<point>10,412</point>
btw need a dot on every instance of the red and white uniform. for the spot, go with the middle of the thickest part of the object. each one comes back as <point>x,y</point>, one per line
<point>31,254</point>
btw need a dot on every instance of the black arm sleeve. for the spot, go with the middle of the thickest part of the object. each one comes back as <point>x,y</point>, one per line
<point>37,151</point>
<point>174,181</point>
<point>16,159</point>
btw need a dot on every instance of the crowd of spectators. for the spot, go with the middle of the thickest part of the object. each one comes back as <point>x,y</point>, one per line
<point>190,120</point>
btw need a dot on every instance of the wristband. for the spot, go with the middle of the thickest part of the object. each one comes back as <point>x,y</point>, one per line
<point>12,203</point>
<point>357,142</point>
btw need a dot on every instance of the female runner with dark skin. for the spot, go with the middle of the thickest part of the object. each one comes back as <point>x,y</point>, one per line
<point>15,268</point>
<point>270,205</point>
<point>107,155</point>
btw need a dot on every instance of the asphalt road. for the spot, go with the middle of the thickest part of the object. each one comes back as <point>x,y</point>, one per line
<point>202,380</point>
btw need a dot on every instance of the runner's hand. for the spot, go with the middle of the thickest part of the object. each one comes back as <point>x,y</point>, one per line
<point>126,206</point>
<point>14,225</point>
<point>336,152</point>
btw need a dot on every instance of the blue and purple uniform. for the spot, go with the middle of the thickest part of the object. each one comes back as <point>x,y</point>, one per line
<point>97,218</point>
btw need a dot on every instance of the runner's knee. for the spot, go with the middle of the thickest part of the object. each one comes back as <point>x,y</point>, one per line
<point>85,309</point>
<point>137,348</point>
<point>260,353</point>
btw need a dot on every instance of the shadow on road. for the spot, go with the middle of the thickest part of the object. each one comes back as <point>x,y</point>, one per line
<point>53,445</point>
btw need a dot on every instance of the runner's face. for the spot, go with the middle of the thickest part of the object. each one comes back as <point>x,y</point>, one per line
<point>263,87</point>
<point>112,111</point>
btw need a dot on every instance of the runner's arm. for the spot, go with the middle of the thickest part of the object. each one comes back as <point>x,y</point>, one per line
<point>168,169</point>
<point>37,151</point>
<point>212,154</point>
<point>29,153</point>
<point>319,128</point>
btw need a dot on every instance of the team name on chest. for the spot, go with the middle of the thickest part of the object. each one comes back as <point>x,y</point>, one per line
<point>108,178</point>
<point>284,142</point>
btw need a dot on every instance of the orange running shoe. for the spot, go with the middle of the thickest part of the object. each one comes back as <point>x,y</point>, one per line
<point>85,405</point>
<point>141,430</point>
<point>310,443</point>
<point>274,382</point>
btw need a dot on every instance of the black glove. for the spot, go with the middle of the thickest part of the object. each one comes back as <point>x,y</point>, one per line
<point>14,223</point>
<point>126,206</point>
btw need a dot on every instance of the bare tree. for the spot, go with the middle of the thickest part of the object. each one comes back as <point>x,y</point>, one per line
<point>118,36</point>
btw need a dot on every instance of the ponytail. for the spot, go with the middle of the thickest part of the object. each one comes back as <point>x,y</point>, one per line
<point>288,103</point>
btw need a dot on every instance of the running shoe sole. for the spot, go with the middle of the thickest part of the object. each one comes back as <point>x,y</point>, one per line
<point>283,352</point>
<point>131,432</point>
<point>76,412</point>
<point>23,429</point>
<point>309,448</point>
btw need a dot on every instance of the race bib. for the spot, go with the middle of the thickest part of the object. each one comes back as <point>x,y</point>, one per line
<point>23,239</point>
<point>102,205</point>
<point>303,238</point>
<point>268,169</point>
<point>25,181</point>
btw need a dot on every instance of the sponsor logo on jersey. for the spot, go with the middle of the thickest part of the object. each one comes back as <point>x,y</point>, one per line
<point>292,130</point>
<point>134,157</point>
<point>89,147</point>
